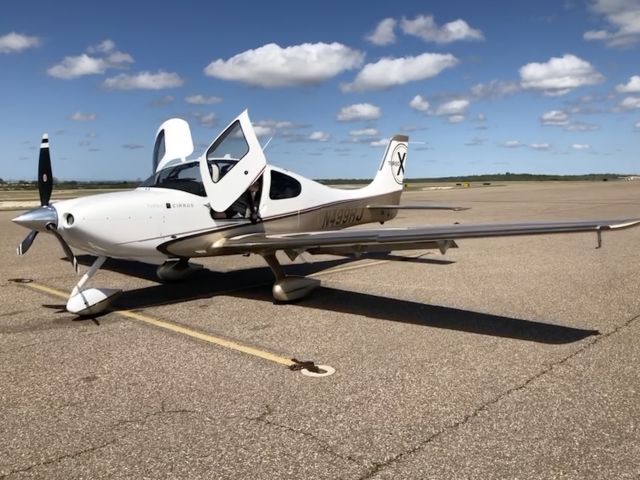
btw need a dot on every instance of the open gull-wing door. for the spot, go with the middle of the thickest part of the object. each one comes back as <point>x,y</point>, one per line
<point>173,142</point>
<point>232,163</point>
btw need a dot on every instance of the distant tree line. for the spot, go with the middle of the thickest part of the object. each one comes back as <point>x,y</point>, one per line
<point>72,184</point>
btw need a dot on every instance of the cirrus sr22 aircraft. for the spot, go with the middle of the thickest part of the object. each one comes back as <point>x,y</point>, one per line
<point>230,201</point>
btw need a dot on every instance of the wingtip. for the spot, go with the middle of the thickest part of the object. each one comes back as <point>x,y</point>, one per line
<point>634,222</point>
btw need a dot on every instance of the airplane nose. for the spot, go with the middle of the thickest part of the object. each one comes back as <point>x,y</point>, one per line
<point>38,218</point>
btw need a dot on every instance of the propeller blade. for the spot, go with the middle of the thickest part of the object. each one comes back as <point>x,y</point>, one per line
<point>65,246</point>
<point>45,176</point>
<point>26,243</point>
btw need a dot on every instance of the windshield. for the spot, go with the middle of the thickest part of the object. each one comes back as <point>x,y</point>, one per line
<point>186,176</point>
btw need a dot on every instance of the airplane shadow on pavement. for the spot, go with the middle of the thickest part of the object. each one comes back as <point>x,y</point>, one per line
<point>255,284</point>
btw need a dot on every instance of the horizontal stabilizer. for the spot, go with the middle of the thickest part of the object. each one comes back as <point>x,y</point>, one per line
<point>416,207</point>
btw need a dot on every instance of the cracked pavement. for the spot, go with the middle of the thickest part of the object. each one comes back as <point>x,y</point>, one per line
<point>517,359</point>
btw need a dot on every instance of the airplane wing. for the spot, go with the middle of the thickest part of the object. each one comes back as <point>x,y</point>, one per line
<point>409,238</point>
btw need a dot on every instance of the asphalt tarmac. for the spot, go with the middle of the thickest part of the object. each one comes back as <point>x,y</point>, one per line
<point>505,358</point>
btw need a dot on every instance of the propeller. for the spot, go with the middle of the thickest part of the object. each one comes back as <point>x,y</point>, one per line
<point>26,243</point>
<point>45,217</point>
<point>45,176</point>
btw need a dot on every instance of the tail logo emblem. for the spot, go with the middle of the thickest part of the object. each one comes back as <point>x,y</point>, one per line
<point>401,160</point>
<point>396,162</point>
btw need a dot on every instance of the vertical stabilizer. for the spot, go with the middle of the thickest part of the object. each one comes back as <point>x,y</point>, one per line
<point>390,176</point>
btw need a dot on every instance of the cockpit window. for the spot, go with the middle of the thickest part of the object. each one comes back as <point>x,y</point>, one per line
<point>231,145</point>
<point>185,177</point>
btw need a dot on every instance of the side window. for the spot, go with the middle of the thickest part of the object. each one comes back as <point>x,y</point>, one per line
<point>283,186</point>
<point>158,150</point>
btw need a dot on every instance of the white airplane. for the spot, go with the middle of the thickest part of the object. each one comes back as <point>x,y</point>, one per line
<point>230,201</point>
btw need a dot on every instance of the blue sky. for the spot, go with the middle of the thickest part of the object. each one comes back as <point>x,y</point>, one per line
<point>480,87</point>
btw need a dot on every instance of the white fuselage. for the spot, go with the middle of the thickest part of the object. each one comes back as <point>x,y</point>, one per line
<point>153,224</point>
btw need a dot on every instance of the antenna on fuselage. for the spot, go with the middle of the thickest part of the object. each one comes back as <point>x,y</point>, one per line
<point>267,144</point>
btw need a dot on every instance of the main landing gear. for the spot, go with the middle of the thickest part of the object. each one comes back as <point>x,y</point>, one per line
<point>176,270</point>
<point>288,288</point>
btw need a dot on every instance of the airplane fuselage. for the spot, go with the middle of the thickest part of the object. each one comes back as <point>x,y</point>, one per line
<point>158,223</point>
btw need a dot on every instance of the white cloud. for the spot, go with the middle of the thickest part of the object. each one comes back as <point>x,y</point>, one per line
<point>202,100</point>
<point>581,146</point>
<point>456,118</point>
<point>453,107</point>
<point>132,146</point>
<point>624,18</point>
<point>383,142</point>
<point>358,111</point>
<point>554,117</point>
<point>162,101</point>
<point>263,131</point>
<point>582,127</point>
<point>383,34</point>
<point>319,136</point>
<point>512,144</point>
<point>16,42</point>
<point>365,132</point>
<point>277,124</point>
<point>559,75</point>
<point>629,103</point>
<point>118,59</point>
<point>82,117</point>
<point>144,81</point>
<point>281,128</point>
<point>105,57</point>
<point>632,86</point>
<point>105,46</point>
<point>390,72</point>
<point>426,28</point>
<point>540,146</point>
<point>274,66</point>
<point>72,67</point>
<point>207,120</point>
<point>476,142</point>
<point>637,126</point>
<point>494,89</point>
<point>419,103</point>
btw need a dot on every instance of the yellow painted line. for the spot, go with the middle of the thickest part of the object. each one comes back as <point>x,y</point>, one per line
<point>222,342</point>
<point>44,288</point>
<point>207,338</point>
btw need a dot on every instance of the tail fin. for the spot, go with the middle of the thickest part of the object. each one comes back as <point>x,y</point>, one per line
<point>390,176</point>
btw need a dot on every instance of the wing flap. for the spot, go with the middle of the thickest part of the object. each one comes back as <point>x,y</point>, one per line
<point>406,238</point>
